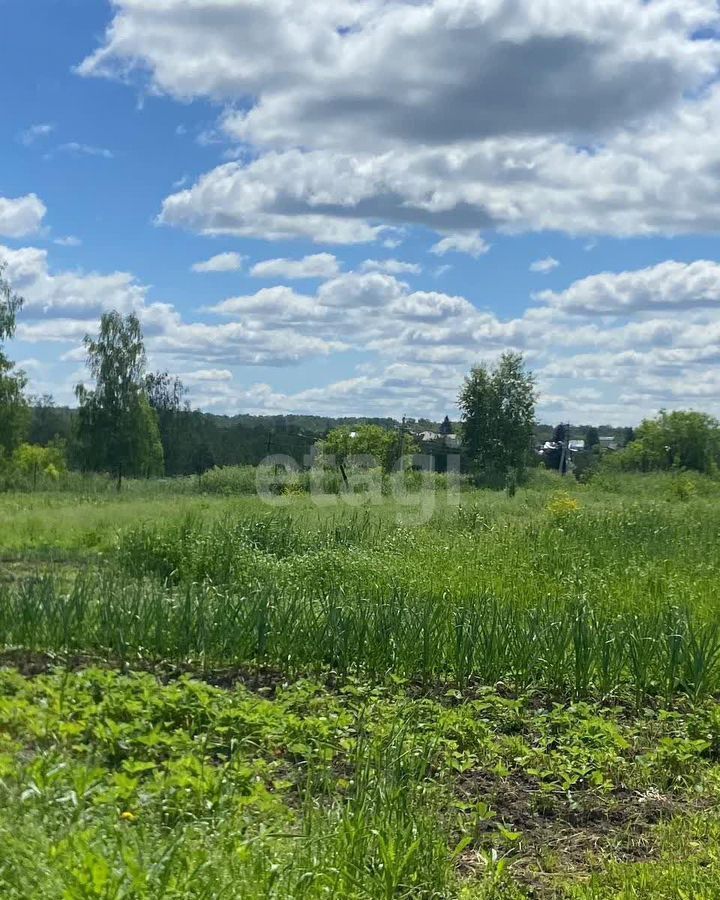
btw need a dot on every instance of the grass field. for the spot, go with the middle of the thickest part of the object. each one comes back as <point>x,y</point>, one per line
<point>204,696</point>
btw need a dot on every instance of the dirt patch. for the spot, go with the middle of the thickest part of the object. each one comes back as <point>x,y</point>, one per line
<point>566,833</point>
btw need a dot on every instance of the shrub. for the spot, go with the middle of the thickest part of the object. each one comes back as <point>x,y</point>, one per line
<point>562,505</point>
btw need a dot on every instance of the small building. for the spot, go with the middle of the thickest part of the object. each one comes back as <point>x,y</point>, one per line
<point>608,442</point>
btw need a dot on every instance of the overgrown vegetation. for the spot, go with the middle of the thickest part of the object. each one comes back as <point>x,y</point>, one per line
<point>516,698</point>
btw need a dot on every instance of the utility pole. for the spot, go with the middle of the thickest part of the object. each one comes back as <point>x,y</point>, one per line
<point>565,451</point>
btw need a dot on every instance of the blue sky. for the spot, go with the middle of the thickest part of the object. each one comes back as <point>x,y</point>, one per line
<point>339,207</point>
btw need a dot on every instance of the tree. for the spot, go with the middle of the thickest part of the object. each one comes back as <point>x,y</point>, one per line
<point>146,448</point>
<point>561,433</point>
<point>498,415</point>
<point>117,428</point>
<point>14,410</point>
<point>383,445</point>
<point>446,427</point>
<point>681,439</point>
<point>202,458</point>
<point>47,422</point>
<point>592,438</point>
<point>32,461</point>
<point>165,393</point>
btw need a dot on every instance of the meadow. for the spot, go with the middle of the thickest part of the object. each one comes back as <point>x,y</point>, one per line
<point>465,694</point>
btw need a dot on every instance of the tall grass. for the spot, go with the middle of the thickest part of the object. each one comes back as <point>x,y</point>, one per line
<point>564,645</point>
<point>612,596</point>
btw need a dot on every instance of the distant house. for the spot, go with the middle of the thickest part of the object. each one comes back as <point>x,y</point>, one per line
<point>451,441</point>
<point>608,442</point>
<point>576,446</point>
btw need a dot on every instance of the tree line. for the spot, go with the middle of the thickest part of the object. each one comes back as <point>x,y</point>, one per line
<point>135,423</point>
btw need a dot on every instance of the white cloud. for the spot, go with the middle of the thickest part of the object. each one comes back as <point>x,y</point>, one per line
<point>669,285</point>
<point>207,375</point>
<point>64,306</point>
<point>459,115</point>
<point>73,148</point>
<point>471,243</point>
<point>21,216</point>
<point>236,343</point>
<point>319,265</point>
<point>354,290</point>
<point>35,133</point>
<point>223,262</point>
<point>613,346</point>
<point>69,241</point>
<point>368,73</point>
<point>270,306</point>
<point>272,197</point>
<point>67,295</point>
<point>391,267</point>
<point>544,266</point>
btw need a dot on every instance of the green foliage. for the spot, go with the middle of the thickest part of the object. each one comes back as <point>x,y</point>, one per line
<point>117,428</point>
<point>506,701</point>
<point>680,439</point>
<point>34,462</point>
<point>613,596</point>
<point>146,450</point>
<point>381,445</point>
<point>125,785</point>
<point>498,415</point>
<point>175,422</point>
<point>592,437</point>
<point>14,412</point>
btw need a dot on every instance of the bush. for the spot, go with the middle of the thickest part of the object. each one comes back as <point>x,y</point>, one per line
<point>680,440</point>
<point>562,505</point>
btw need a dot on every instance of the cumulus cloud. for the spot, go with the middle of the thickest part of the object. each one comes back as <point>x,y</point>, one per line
<point>544,266</point>
<point>319,265</point>
<point>362,71</point>
<point>21,216</point>
<point>222,262</point>
<point>270,306</point>
<point>669,285</point>
<point>459,115</point>
<point>650,336</point>
<point>472,244</point>
<point>354,290</point>
<point>67,295</point>
<point>391,267</point>
<point>64,306</point>
<point>241,344</point>
<point>278,196</point>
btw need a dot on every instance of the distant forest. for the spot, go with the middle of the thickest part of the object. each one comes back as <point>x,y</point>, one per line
<point>195,440</point>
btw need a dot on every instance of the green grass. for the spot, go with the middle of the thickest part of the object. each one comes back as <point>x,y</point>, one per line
<point>508,697</point>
